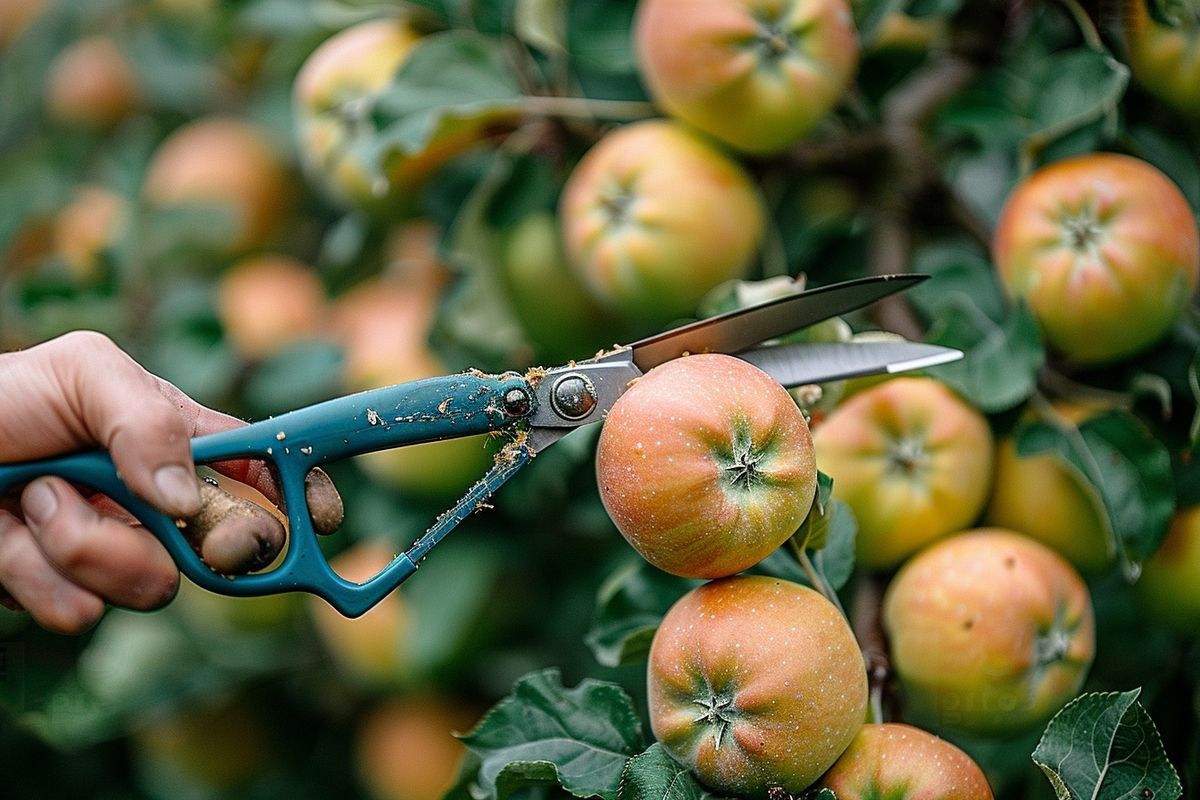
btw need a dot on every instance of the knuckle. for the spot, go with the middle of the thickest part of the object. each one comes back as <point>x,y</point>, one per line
<point>91,342</point>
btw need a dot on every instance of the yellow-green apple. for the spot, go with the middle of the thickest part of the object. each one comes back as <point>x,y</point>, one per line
<point>756,74</point>
<point>89,226</point>
<point>706,465</point>
<point>1105,250</point>
<point>405,748</point>
<point>372,649</point>
<point>91,84</point>
<point>654,216</point>
<point>333,100</point>
<point>269,301</point>
<point>991,633</point>
<point>1165,59</point>
<point>911,459</point>
<point>1046,500</point>
<point>755,682</point>
<point>224,164</point>
<point>1169,588</point>
<point>560,318</point>
<point>900,762</point>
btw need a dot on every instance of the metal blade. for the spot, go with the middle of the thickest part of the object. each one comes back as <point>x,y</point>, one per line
<point>742,329</point>
<point>802,363</point>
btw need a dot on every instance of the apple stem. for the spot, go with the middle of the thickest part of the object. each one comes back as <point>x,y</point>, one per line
<point>586,108</point>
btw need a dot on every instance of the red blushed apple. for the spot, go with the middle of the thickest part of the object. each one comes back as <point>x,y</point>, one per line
<point>706,466</point>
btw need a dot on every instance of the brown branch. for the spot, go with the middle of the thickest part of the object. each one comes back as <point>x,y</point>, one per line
<point>867,623</point>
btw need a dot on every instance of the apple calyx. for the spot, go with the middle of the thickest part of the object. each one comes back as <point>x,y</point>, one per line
<point>741,467</point>
<point>1083,231</point>
<point>908,455</point>
<point>617,204</point>
<point>718,713</point>
<point>773,41</point>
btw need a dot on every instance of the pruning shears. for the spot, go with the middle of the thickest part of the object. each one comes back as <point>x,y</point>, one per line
<point>536,410</point>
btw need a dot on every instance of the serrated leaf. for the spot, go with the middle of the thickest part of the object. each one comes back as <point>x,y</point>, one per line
<point>579,738</point>
<point>1105,747</point>
<point>654,775</point>
<point>629,607</point>
<point>1129,468</point>
<point>1001,362</point>
<point>449,82</point>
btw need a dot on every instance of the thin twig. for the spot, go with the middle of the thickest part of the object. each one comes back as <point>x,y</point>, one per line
<point>587,108</point>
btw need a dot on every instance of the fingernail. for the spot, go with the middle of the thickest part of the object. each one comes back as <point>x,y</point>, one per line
<point>38,502</point>
<point>179,488</point>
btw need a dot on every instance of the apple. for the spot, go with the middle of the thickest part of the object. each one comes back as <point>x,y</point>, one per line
<point>371,650</point>
<point>405,748</point>
<point>1105,250</point>
<point>89,227</point>
<point>1046,500</point>
<point>1165,60</point>
<point>991,633</point>
<point>91,84</point>
<point>654,217</point>
<point>900,762</point>
<point>558,315</point>
<point>756,75</point>
<point>213,749</point>
<point>755,682</point>
<point>333,99</point>
<point>267,302</point>
<point>16,16</point>
<point>706,465</point>
<point>1169,589</point>
<point>911,459</point>
<point>225,164</point>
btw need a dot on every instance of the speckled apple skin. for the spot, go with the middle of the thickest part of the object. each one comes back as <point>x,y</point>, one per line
<point>991,633</point>
<point>666,458</point>
<point>893,761</point>
<point>900,510</point>
<point>1119,295</point>
<point>786,664</point>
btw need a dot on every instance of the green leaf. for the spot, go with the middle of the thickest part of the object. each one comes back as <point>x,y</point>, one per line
<point>835,561</point>
<point>654,775</point>
<point>629,607</point>
<point>579,738</point>
<point>812,531</point>
<point>957,268</point>
<point>300,374</point>
<point>541,24</point>
<point>1105,747</point>
<point>870,14</point>
<point>1194,383</point>
<point>1081,86</point>
<point>450,81</point>
<point>1129,468</point>
<point>1001,363</point>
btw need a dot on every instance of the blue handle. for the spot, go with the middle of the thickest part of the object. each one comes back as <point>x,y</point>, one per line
<point>410,413</point>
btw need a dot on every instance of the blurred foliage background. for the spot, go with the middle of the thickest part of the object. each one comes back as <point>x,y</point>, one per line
<point>152,187</point>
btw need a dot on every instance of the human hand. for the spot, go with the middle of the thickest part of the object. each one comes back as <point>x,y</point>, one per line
<point>63,556</point>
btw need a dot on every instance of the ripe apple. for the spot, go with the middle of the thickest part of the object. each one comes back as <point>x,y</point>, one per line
<point>225,164</point>
<point>1044,499</point>
<point>706,466</point>
<point>1104,249</point>
<point>406,750</point>
<point>755,682</point>
<point>757,76</point>
<point>333,100</point>
<point>90,225</point>
<point>91,84</point>
<point>372,649</point>
<point>1165,60</point>
<point>901,762</point>
<point>269,301</point>
<point>991,633</point>
<point>911,459</point>
<point>654,216</point>
<point>1169,588</point>
<point>560,318</point>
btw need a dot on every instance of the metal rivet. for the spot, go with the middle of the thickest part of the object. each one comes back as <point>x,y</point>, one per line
<point>516,402</point>
<point>573,396</point>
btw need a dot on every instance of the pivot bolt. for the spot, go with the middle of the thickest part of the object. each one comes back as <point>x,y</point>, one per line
<point>573,396</point>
